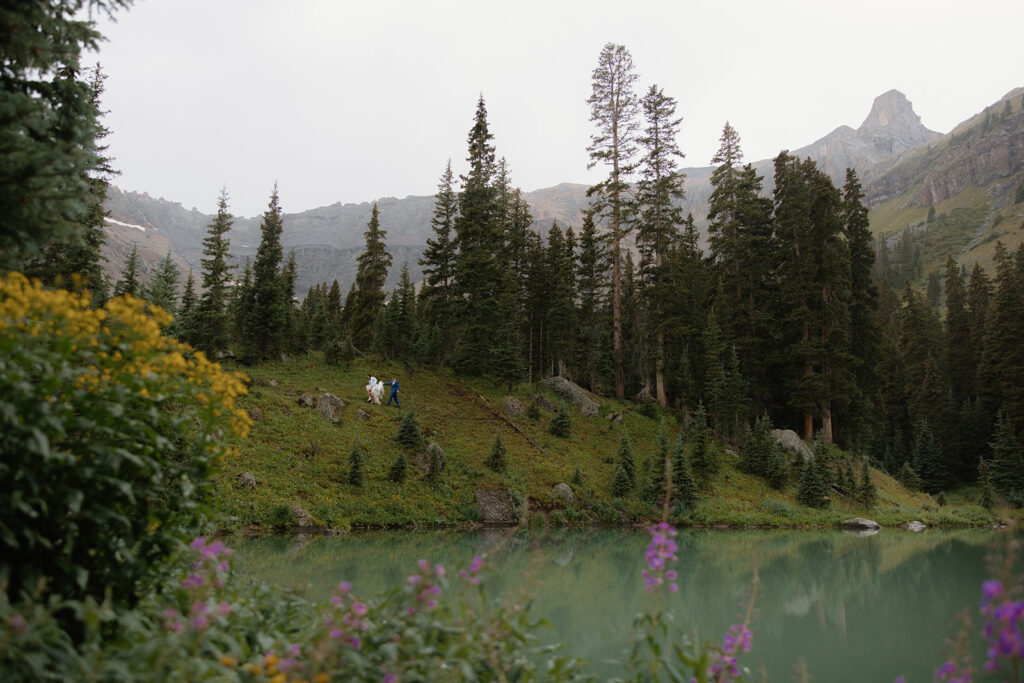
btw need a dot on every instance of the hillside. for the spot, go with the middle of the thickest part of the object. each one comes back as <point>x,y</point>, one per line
<point>297,457</point>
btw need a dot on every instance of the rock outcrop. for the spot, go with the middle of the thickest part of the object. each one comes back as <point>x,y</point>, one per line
<point>574,394</point>
<point>563,492</point>
<point>792,444</point>
<point>513,408</point>
<point>496,506</point>
<point>861,523</point>
<point>330,406</point>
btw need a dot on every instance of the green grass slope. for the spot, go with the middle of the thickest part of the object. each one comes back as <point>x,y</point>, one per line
<point>299,458</point>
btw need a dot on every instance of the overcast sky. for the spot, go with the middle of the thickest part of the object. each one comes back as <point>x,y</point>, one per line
<point>353,101</point>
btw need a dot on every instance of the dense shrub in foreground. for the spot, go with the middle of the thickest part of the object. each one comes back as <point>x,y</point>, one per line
<point>107,432</point>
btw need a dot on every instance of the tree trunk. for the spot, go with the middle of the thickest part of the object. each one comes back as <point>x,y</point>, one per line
<point>620,378</point>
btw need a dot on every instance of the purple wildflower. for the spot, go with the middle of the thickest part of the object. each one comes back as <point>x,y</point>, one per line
<point>193,581</point>
<point>17,622</point>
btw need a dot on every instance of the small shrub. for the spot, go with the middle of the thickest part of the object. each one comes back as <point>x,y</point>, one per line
<point>557,518</point>
<point>355,466</point>
<point>561,424</point>
<point>577,479</point>
<point>436,462</point>
<point>533,411</point>
<point>281,517</point>
<point>575,515</point>
<point>537,520</point>
<point>779,508</point>
<point>409,433</point>
<point>399,469</point>
<point>621,485</point>
<point>497,458</point>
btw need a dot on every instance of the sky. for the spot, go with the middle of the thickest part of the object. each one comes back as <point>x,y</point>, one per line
<point>341,101</point>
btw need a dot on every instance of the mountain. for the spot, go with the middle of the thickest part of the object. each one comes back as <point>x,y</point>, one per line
<point>905,167</point>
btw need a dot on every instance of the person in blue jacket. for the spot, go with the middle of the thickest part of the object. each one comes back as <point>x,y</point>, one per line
<point>394,391</point>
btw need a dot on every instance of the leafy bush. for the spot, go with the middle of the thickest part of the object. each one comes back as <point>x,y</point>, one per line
<point>107,432</point>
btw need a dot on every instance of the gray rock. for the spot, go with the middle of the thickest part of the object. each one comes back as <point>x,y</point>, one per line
<point>513,408</point>
<point>563,492</point>
<point>362,414</point>
<point>915,526</point>
<point>544,404</point>
<point>307,400</point>
<point>614,418</point>
<point>256,413</point>
<point>246,480</point>
<point>330,406</point>
<point>574,394</point>
<point>791,443</point>
<point>861,523</point>
<point>302,518</point>
<point>496,506</point>
<point>225,353</point>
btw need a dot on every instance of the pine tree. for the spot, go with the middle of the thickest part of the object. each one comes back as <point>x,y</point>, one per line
<point>684,486</point>
<point>368,293</point>
<point>438,258</point>
<point>497,457</point>
<point>755,454</point>
<point>561,423</point>
<point>624,459</point>
<point>399,469</point>
<point>435,463</point>
<point>1004,332</point>
<point>621,485</point>
<point>592,328</point>
<point>867,494</point>
<point>614,109</point>
<point>927,458</point>
<point>355,466</point>
<point>1007,463</point>
<point>409,433</point>
<point>184,325</point>
<point>660,215</point>
<point>654,483</point>
<point>814,479</point>
<point>211,316</point>
<point>163,286</point>
<point>908,477</point>
<point>129,282</point>
<point>986,486</point>
<point>49,130</point>
<point>264,309</point>
<point>703,456</point>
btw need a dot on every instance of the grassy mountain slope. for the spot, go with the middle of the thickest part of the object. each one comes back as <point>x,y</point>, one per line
<point>299,458</point>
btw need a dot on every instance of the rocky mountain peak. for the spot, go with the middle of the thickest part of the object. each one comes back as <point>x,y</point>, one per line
<point>892,109</point>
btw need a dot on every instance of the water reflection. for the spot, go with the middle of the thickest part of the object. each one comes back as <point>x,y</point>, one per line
<point>854,608</point>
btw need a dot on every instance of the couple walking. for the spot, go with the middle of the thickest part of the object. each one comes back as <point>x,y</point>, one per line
<point>375,389</point>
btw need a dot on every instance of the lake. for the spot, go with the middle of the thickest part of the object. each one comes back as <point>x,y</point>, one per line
<point>853,608</point>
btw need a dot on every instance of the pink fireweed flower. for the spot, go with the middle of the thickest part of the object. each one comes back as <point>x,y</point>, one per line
<point>359,609</point>
<point>414,579</point>
<point>200,623</point>
<point>726,667</point>
<point>193,581</point>
<point>660,552</point>
<point>344,587</point>
<point>224,608</point>
<point>197,542</point>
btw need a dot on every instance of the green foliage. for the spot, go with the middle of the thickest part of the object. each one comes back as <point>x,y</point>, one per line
<point>684,486</point>
<point>577,479</point>
<point>409,433</point>
<point>703,455</point>
<point>435,463</point>
<point>813,490</point>
<point>867,493</point>
<point>399,469</point>
<point>621,484</point>
<point>561,423</point>
<point>107,432</point>
<point>762,456</point>
<point>908,477</point>
<point>987,491</point>
<point>624,459</point>
<point>265,301</point>
<point>211,319</point>
<point>497,457</point>
<point>355,466</point>
<point>533,411</point>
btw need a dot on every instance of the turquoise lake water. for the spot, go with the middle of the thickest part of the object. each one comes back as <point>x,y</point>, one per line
<point>858,609</point>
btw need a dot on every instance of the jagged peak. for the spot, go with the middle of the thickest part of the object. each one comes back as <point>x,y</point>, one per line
<point>889,108</point>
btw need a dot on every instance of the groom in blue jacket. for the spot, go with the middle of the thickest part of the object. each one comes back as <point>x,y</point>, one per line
<point>394,391</point>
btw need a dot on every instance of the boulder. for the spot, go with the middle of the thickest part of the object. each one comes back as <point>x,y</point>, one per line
<point>362,414</point>
<point>307,400</point>
<point>246,480</point>
<point>574,394</point>
<point>330,406</point>
<point>544,404</point>
<point>791,443</point>
<point>861,523</point>
<point>496,506</point>
<point>915,526</point>
<point>614,418</point>
<point>513,408</point>
<point>563,492</point>
<point>256,413</point>
<point>302,518</point>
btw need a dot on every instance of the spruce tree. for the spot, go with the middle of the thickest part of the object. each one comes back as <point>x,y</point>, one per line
<point>368,290</point>
<point>497,457</point>
<point>927,458</point>
<point>659,215</point>
<point>212,327</point>
<point>987,490</point>
<point>614,109</point>
<point>163,286</point>
<point>684,486</point>
<point>265,310</point>
<point>49,130</point>
<point>703,456</point>
<point>908,477</point>
<point>591,321</point>
<point>561,423</point>
<point>399,469</point>
<point>130,282</point>
<point>814,480</point>
<point>1004,332</point>
<point>355,466</point>
<point>867,494</point>
<point>621,484</point>
<point>438,258</point>
<point>654,483</point>
<point>184,325</point>
<point>624,459</point>
<point>409,433</point>
<point>435,463</point>
<point>1007,463</point>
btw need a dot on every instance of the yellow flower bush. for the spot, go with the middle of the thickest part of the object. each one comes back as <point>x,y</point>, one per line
<point>107,431</point>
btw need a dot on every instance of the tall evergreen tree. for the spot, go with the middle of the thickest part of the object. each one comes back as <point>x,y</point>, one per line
<point>130,283</point>
<point>590,279</point>
<point>163,285</point>
<point>265,309</point>
<point>211,320</point>
<point>438,258</point>
<point>660,216</point>
<point>184,325</point>
<point>48,128</point>
<point>368,293</point>
<point>614,108</point>
<point>1004,332</point>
